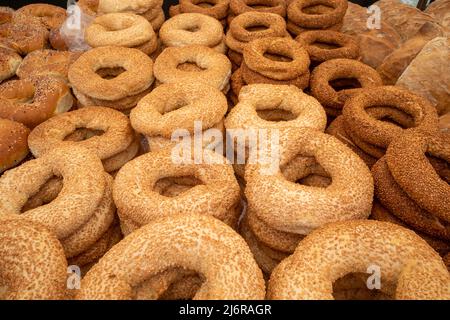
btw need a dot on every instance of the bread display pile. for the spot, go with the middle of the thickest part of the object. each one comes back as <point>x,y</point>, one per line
<point>240,149</point>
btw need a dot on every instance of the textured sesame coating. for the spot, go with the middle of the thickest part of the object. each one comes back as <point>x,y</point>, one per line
<point>218,10</point>
<point>216,68</point>
<point>191,29</point>
<point>117,132</point>
<point>420,181</point>
<point>291,207</point>
<point>393,197</point>
<point>175,106</point>
<point>137,77</point>
<point>380,133</point>
<point>119,29</point>
<point>334,69</point>
<point>32,262</point>
<point>279,70</point>
<point>13,143</point>
<point>137,200</point>
<point>84,186</point>
<point>9,62</point>
<point>239,7</point>
<point>110,6</point>
<point>410,268</point>
<point>318,20</point>
<point>295,29</point>
<point>33,100</point>
<point>227,263</point>
<point>235,57</point>
<point>50,16</point>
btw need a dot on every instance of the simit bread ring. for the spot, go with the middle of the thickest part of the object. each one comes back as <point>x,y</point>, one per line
<point>32,261</point>
<point>33,100</point>
<point>84,186</point>
<point>335,69</point>
<point>279,70</point>
<point>380,133</point>
<point>116,132</point>
<point>300,211</point>
<point>178,241</point>
<point>136,78</point>
<point>111,6</point>
<point>410,268</point>
<point>216,66</point>
<point>13,143</point>
<point>9,62</point>
<point>420,180</point>
<point>317,20</point>
<point>216,191</point>
<point>121,30</point>
<point>191,29</point>
<point>217,10</point>
<point>239,7</point>
<point>318,42</point>
<point>50,16</point>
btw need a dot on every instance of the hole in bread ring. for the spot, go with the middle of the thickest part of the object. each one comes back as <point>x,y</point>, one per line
<point>317,20</point>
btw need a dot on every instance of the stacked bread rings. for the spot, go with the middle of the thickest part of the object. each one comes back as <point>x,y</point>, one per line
<point>411,182</point>
<point>218,9</point>
<point>179,241</point>
<point>67,191</point>
<point>122,30</point>
<point>141,189</point>
<point>305,207</point>
<point>171,110</point>
<point>329,94</point>
<point>411,268</point>
<point>250,26</point>
<point>305,15</point>
<point>121,92</point>
<point>106,132</point>
<point>201,64</point>
<point>193,29</point>
<point>374,116</point>
<point>33,263</point>
<point>33,100</point>
<point>275,61</point>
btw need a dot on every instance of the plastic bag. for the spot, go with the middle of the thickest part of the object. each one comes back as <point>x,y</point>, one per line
<point>72,30</point>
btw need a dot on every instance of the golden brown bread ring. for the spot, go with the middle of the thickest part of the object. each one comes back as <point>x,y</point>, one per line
<point>33,100</point>
<point>317,20</point>
<point>237,82</point>
<point>271,25</point>
<point>89,7</point>
<point>51,16</point>
<point>137,77</point>
<point>9,62</point>
<point>334,69</point>
<point>380,133</point>
<point>218,10</point>
<point>216,66</point>
<point>279,70</point>
<point>115,127</point>
<point>32,262</point>
<point>344,46</point>
<point>84,185</point>
<point>175,238</point>
<point>47,62</point>
<point>411,268</point>
<point>13,143</point>
<point>407,161</point>
<point>264,6</point>
<point>158,20</point>
<point>190,29</point>
<point>217,194</point>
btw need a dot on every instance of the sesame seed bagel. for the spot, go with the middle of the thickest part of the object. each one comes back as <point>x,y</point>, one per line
<point>119,29</point>
<point>51,16</point>
<point>33,100</point>
<point>335,69</point>
<point>305,208</point>
<point>217,192</point>
<point>9,62</point>
<point>317,20</point>
<point>239,7</point>
<point>216,66</point>
<point>226,261</point>
<point>13,143</point>
<point>410,268</point>
<point>32,262</point>
<point>218,9</point>
<point>136,78</point>
<point>279,70</point>
<point>116,136</point>
<point>191,29</point>
<point>84,188</point>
